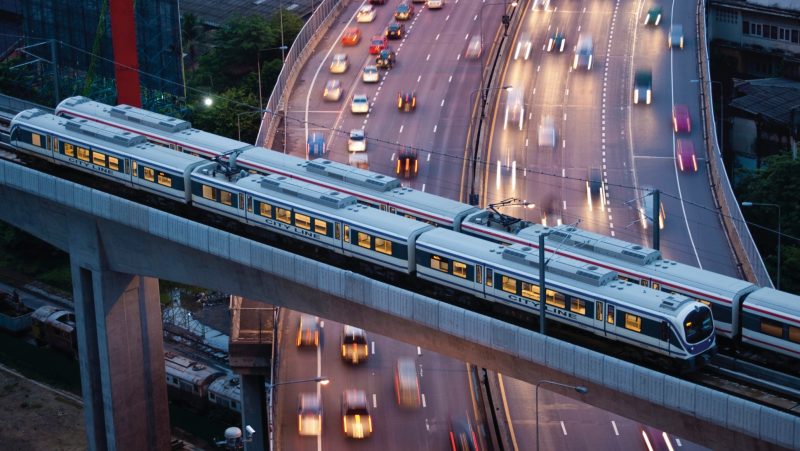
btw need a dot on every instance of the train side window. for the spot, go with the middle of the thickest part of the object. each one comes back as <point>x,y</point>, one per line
<point>346,233</point>
<point>530,291</point>
<point>770,327</point>
<point>135,170</point>
<point>225,197</point>
<point>363,240</point>
<point>664,331</point>
<point>439,264</point>
<point>633,322</point>
<point>321,227</point>
<point>656,286</point>
<point>623,278</point>
<point>644,283</point>
<point>164,179</point>
<point>610,315</point>
<point>283,215</point>
<point>794,334</point>
<point>113,163</point>
<point>598,310</point>
<point>509,284</point>
<point>69,150</point>
<point>249,204</point>
<point>383,246</point>
<point>577,306</point>
<point>555,299</point>
<point>302,221</point>
<point>99,159</point>
<point>83,154</point>
<point>149,173</point>
<point>460,270</point>
<point>241,201</point>
<point>489,277</point>
<point>36,139</point>
<point>208,191</point>
<point>478,273</point>
<point>265,210</point>
<point>55,145</point>
<point>336,231</point>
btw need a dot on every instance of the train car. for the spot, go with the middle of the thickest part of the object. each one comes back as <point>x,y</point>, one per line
<point>188,380</point>
<point>633,263</point>
<point>584,296</point>
<point>770,320</point>
<point>56,327</point>
<point>226,392</point>
<point>103,151</point>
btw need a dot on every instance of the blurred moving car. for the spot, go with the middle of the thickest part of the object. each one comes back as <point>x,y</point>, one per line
<point>333,90</point>
<point>515,109</point>
<point>356,419</point>
<point>435,4</point>
<point>377,43</point>
<point>385,59</point>
<point>357,141</point>
<point>676,36</point>
<point>473,48</point>
<point>365,14</point>
<point>540,4</point>
<point>556,41</point>
<point>547,133</point>
<point>524,45</point>
<point>594,189</point>
<point>653,16</point>
<point>351,36</point>
<point>404,11</point>
<point>308,330</point>
<point>685,155</point>
<point>377,2</point>
<point>406,101</point>
<point>646,212</point>
<point>309,415</point>
<point>395,30</point>
<point>407,163</point>
<point>681,120</point>
<point>315,145</point>
<point>355,348</point>
<point>406,383</point>
<point>462,436</point>
<point>583,54</point>
<point>359,104</point>
<point>339,63</point>
<point>370,74</point>
<point>643,87</point>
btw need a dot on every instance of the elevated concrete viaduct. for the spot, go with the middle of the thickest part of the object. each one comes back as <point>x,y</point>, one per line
<point>118,248</point>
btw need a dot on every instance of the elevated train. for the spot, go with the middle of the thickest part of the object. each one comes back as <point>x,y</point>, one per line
<point>763,318</point>
<point>669,327</point>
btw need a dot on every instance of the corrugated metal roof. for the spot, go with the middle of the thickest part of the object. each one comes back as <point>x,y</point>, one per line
<point>773,98</point>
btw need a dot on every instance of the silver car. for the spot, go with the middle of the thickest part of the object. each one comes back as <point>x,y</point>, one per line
<point>333,91</point>
<point>339,63</point>
<point>357,141</point>
<point>360,104</point>
<point>370,74</point>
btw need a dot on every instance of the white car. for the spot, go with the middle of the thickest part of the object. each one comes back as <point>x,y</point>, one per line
<point>547,134</point>
<point>370,74</point>
<point>360,104</point>
<point>333,90</point>
<point>357,141</point>
<point>339,63</point>
<point>435,4</point>
<point>524,45</point>
<point>365,14</point>
<point>515,109</point>
<point>540,4</point>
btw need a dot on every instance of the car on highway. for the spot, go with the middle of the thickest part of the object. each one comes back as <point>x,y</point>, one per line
<point>385,59</point>
<point>515,109</point>
<point>359,104</point>
<point>676,36</point>
<point>351,36</point>
<point>315,145</point>
<point>377,2</point>
<point>653,16</point>
<point>681,120</point>
<point>406,383</point>
<point>309,414</point>
<point>524,45</point>
<point>435,4</point>
<point>370,74</point>
<point>357,142</point>
<point>417,1</point>
<point>377,43</point>
<point>355,348</point>
<point>583,53</point>
<point>395,30</point>
<point>473,48</point>
<point>594,188</point>
<point>643,87</point>
<point>407,165</point>
<point>547,133</point>
<point>308,331</point>
<point>365,14</point>
<point>556,41</point>
<point>333,91</point>
<point>404,11</point>
<point>339,63</point>
<point>540,4</point>
<point>406,101</point>
<point>462,435</point>
<point>685,155</point>
<point>356,420</point>
<point>646,211</point>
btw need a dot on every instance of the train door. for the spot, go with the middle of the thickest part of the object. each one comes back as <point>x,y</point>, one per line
<point>663,337</point>
<point>611,320</point>
<point>599,318</point>
<point>477,285</point>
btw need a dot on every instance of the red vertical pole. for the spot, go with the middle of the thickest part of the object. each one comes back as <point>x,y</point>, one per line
<point>126,62</point>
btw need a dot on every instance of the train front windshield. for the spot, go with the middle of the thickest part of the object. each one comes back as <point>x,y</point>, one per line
<point>698,325</point>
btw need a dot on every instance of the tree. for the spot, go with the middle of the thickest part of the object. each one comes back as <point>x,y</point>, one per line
<point>193,34</point>
<point>225,115</point>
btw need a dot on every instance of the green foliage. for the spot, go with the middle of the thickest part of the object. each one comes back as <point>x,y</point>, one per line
<point>231,105</point>
<point>24,82</point>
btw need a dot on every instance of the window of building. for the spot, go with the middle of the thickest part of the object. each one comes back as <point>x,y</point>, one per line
<point>577,306</point>
<point>36,139</point>
<point>795,37</point>
<point>69,150</point>
<point>794,334</point>
<point>363,240</point>
<point>283,215</point>
<point>556,299</point>
<point>770,327</point>
<point>83,154</point>
<point>509,284</point>
<point>209,192</point>
<point>633,322</point>
<point>439,264</point>
<point>598,311</point>
<point>460,270</point>
<point>727,15</point>
<point>265,210</point>
<point>383,246</point>
<point>610,315</point>
<point>530,291</point>
<point>302,221</point>
<point>113,163</point>
<point>225,197</point>
<point>99,159</point>
<point>149,173</point>
<point>164,179</point>
<point>320,226</point>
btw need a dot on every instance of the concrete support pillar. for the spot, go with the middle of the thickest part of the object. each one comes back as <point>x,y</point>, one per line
<point>121,352</point>
<point>254,411</point>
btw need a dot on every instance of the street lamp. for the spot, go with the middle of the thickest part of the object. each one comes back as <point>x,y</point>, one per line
<point>578,388</point>
<point>473,197</point>
<point>239,116</point>
<point>319,379</point>
<point>758,204</point>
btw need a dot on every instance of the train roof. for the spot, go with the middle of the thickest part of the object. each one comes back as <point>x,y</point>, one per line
<point>774,302</point>
<point>150,124</point>
<point>229,386</point>
<point>524,261</point>
<point>188,370</point>
<point>103,136</point>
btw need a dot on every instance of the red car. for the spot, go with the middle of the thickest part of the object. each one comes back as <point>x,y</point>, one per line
<point>377,44</point>
<point>351,36</point>
<point>685,156</point>
<point>681,121</point>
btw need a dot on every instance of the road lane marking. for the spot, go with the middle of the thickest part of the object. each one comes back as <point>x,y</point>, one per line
<point>423,401</point>
<point>563,428</point>
<point>373,348</point>
<point>614,423</point>
<point>375,400</point>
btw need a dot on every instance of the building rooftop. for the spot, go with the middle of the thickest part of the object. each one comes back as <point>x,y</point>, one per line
<point>217,12</point>
<point>772,98</point>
